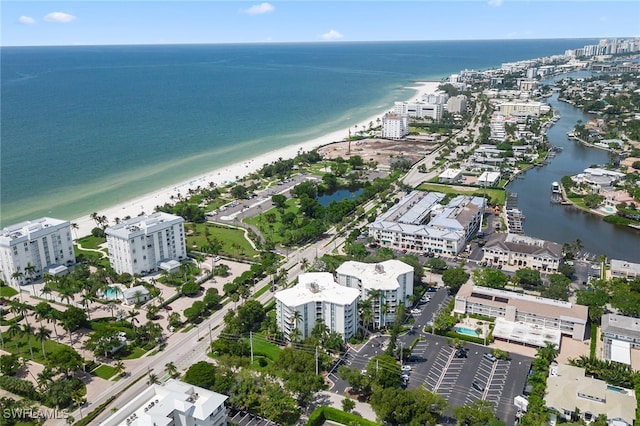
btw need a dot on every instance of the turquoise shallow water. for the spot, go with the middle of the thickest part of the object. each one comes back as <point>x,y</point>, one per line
<point>84,128</point>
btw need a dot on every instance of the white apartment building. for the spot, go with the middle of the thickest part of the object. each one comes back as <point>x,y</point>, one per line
<point>174,403</point>
<point>395,126</point>
<point>418,109</point>
<point>419,223</point>
<point>489,179</point>
<point>29,249</point>
<point>139,245</point>
<point>457,104</point>
<point>522,318</point>
<point>450,176</point>
<point>316,298</point>
<point>523,109</point>
<point>389,284</point>
<point>522,251</point>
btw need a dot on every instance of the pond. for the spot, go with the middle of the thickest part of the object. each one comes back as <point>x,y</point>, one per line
<point>339,195</point>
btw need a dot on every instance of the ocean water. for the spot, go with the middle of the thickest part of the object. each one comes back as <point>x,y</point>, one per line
<point>86,127</point>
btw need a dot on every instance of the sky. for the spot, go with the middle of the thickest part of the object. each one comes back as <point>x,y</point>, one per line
<point>88,22</point>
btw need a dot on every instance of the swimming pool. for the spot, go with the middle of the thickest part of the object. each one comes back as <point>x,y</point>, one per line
<point>467,332</point>
<point>112,293</point>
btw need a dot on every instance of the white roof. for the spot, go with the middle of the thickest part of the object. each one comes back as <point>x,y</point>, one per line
<point>621,351</point>
<point>30,229</point>
<point>317,287</point>
<point>450,174</point>
<point>157,405</point>
<point>131,292</point>
<point>378,276</point>
<point>143,225</point>
<point>489,176</point>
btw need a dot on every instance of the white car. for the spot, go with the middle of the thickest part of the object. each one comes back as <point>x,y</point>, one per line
<point>406,368</point>
<point>405,377</point>
<point>416,311</point>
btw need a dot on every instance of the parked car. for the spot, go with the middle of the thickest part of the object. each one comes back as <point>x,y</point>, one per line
<point>405,377</point>
<point>406,368</point>
<point>490,357</point>
<point>477,386</point>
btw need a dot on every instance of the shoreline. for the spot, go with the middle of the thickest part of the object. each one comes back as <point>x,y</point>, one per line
<point>226,174</point>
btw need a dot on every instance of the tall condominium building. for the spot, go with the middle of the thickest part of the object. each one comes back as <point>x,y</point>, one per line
<point>174,403</point>
<point>28,249</point>
<point>316,298</point>
<point>395,126</point>
<point>139,245</point>
<point>457,104</point>
<point>419,223</point>
<point>389,285</point>
<point>419,109</point>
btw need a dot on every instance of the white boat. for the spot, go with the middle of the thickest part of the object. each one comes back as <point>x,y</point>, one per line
<point>555,187</point>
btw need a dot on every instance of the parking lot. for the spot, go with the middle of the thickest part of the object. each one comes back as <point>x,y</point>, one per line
<point>439,367</point>
<point>243,418</point>
<point>435,366</point>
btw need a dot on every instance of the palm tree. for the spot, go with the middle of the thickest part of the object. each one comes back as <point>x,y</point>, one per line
<point>171,369</point>
<point>377,296</point>
<point>13,331</point>
<point>29,271</point>
<point>132,317</point>
<point>153,379</point>
<point>43,335</point>
<point>29,330</point>
<point>74,228</point>
<point>120,368</point>
<point>296,317</point>
<point>549,352</point>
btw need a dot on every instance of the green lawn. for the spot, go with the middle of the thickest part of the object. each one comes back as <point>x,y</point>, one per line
<point>91,242</point>
<point>262,347</point>
<point>104,372</point>
<point>498,196</point>
<point>6,291</point>
<point>23,346</point>
<point>272,230</point>
<point>234,243</point>
<point>134,353</point>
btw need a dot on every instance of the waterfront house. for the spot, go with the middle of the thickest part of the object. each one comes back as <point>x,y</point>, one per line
<point>522,251</point>
<point>624,269</point>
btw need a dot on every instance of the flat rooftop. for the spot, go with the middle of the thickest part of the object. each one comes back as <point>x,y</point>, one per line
<point>524,303</point>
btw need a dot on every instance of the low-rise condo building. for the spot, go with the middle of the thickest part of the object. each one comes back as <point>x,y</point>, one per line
<point>141,244</point>
<point>489,179</point>
<point>29,249</point>
<point>388,284</point>
<point>450,176</point>
<point>621,335</point>
<point>522,251</point>
<point>316,298</point>
<point>521,318</point>
<point>624,269</point>
<point>419,223</point>
<point>174,403</point>
<point>569,393</point>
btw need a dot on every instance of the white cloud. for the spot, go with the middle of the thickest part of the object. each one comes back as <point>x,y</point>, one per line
<point>331,35</point>
<point>259,9</point>
<point>59,17</point>
<point>495,3</point>
<point>26,20</point>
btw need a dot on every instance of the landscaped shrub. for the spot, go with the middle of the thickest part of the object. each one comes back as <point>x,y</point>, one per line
<point>324,413</point>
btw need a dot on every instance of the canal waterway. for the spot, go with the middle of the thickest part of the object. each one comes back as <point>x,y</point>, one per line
<point>565,224</point>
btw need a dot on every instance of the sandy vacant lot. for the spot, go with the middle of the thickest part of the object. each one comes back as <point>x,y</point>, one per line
<point>382,151</point>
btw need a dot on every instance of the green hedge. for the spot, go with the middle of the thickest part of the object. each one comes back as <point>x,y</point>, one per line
<point>324,413</point>
<point>459,336</point>
<point>94,413</point>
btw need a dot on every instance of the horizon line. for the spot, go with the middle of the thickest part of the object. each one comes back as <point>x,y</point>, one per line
<point>313,42</point>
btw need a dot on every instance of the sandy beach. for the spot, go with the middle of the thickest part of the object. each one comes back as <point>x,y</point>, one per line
<point>222,176</point>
